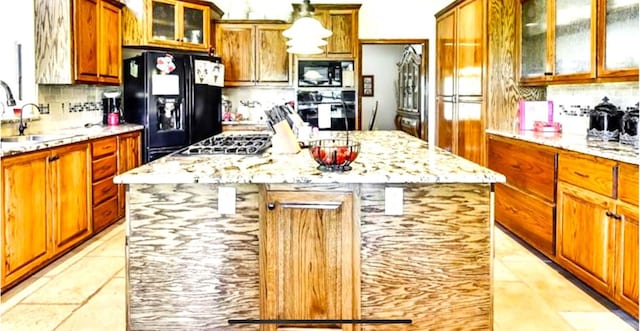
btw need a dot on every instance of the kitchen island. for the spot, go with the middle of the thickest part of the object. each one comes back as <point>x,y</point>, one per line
<point>218,242</point>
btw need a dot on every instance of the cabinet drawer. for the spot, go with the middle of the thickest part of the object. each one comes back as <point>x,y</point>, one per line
<point>526,166</point>
<point>628,183</point>
<point>105,213</point>
<point>104,190</point>
<point>527,216</point>
<point>105,167</point>
<point>103,147</point>
<point>589,172</point>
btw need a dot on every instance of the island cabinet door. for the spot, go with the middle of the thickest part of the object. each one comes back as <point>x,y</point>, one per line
<point>308,260</point>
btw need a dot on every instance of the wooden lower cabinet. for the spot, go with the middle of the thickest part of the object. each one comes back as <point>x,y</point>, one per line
<point>104,155</point>
<point>129,157</point>
<point>309,258</point>
<point>626,284</point>
<point>586,236</point>
<point>25,230</point>
<point>45,208</point>
<point>71,217</point>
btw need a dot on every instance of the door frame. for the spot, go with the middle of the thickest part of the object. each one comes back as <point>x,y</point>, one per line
<point>424,76</point>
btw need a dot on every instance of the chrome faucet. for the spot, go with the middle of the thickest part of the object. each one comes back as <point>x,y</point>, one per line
<point>23,125</point>
<point>10,100</point>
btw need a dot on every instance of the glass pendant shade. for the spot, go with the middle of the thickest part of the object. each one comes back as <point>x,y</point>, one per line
<point>304,49</point>
<point>307,42</point>
<point>306,27</point>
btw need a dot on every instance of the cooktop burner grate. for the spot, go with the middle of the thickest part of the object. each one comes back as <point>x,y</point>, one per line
<point>240,144</point>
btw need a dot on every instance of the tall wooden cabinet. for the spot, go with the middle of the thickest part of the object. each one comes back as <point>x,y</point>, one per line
<point>80,42</point>
<point>45,207</point>
<point>309,258</point>
<point>460,80</point>
<point>253,53</point>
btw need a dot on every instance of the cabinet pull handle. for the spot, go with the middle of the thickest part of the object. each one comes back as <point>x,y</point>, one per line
<point>271,206</point>
<point>581,174</point>
<point>53,158</point>
<point>609,214</point>
<point>548,73</point>
<point>612,215</point>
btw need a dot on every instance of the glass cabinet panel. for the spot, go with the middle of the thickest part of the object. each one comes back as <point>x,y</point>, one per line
<point>533,48</point>
<point>621,35</point>
<point>193,25</point>
<point>164,18</point>
<point>573,36</point>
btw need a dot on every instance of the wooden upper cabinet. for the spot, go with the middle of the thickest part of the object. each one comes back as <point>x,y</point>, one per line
<point>91,53</point>
<point>253,53</point>
<point>470,49</point>
<point>342,20</point>
<point>174,24</point>
<point>98,44</point>
<point>309,261</point>
<point>564,41</point>
<point>617,25</point>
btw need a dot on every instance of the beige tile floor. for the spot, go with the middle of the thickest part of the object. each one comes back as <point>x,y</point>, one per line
<point>85,290</point>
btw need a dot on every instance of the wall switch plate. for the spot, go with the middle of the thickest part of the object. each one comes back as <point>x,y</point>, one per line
<point>226,200</point>
<point>393,201</point>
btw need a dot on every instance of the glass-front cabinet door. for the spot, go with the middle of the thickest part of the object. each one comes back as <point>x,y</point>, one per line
<point>574,51</point>
<point>163,21</point>
<point>619,45</point>
<point>533,39</point>
<point>193,27</point>
<point>178,23</point>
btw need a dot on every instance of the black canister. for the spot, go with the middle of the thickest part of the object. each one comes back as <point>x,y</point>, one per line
<point>604,122</point>
<point>629,127</point>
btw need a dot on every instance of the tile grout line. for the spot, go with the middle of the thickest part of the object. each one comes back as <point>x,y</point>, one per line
<point>85,301</point>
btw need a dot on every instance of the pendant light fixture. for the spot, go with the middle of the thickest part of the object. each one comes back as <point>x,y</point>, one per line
<point>307,33</point>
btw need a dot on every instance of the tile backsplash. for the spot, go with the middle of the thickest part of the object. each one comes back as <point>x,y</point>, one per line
<point>68,106</point>
<point>573,102</point>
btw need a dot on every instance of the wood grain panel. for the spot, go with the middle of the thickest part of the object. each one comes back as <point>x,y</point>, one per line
<point>627,259</point>
<point>628,183</point>
<point>503,90</point>
<point>585,236</point>
<point>53,44</point>
<point>105,213</point>
<point>189,267</point>
<point>432,264</point>
<point>272,58</point>
<point>341,42</point>
<point>133,23</point>
<point>445,55</point>
<point>444,134</point>
<point>589,172</point>
<point>528,167</point>
<point>103,190</point>
<point>529,217</point>
<point>470,51</point>
<point>470,136</point>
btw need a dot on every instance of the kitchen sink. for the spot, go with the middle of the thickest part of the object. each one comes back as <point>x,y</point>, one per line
<point>34,138</point>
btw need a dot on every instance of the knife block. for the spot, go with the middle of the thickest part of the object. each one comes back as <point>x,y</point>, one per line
<point>284,141</point>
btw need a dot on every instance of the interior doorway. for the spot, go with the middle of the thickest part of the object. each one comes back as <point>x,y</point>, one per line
<point>379,58</point>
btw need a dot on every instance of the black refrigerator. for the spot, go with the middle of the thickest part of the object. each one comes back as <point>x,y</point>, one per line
<point>175,96</point>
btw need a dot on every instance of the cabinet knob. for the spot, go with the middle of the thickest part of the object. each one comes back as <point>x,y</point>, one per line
<point>53,158</point>
<point>271,205</point>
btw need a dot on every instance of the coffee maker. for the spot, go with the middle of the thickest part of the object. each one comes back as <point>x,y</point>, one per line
<point>111,104</point>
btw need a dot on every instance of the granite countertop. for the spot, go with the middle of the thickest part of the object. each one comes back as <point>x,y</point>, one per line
<point>71,135</point>
<point>385,157</point>
<point>577,143</point>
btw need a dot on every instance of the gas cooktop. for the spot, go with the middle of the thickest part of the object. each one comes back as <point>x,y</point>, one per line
<point>233,144</point>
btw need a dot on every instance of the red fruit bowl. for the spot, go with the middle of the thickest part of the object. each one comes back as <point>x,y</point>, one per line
<point>334,154</point>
